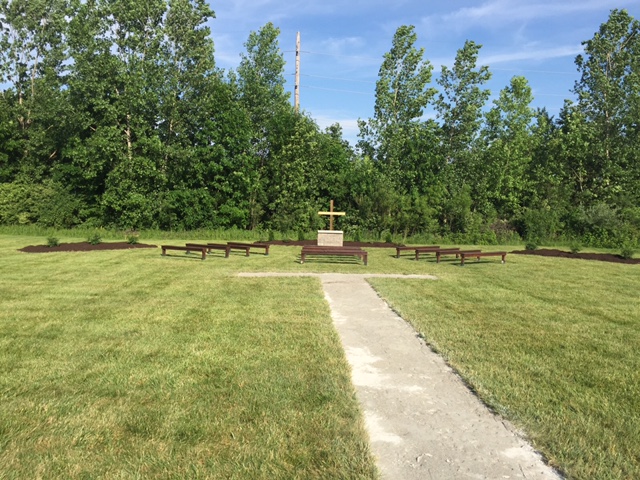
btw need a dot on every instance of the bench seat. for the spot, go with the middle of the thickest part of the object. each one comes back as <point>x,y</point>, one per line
<point>247,247</point>
<point>420,250</point>
<point>482,254</point>
<point>456,252</point>
<point>333,251</point>
<point>403,248</point>
<point>188,249</point>
<point>208,246</point>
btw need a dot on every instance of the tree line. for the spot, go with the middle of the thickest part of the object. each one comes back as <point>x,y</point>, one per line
<point>114,113</point>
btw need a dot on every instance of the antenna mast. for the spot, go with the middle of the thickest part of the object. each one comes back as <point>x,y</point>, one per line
<point>296,94</point>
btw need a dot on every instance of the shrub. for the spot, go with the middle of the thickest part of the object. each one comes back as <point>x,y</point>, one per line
<point>95,239</point>
<point>575,246</point>
<point>627,251</point>
<point>388,238</point>
<point>301,235</point>
<point>133,238</point>
<point>53,242</point>
<point>532,244</point>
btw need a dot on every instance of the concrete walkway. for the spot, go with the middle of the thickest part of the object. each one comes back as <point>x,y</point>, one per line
<point>423,422</point>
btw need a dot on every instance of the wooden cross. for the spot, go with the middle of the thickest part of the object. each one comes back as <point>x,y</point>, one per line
<point>331,214</point>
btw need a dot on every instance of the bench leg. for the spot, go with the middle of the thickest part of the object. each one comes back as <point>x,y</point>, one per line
<point>462,260</point>
<point>164,252</point>
<point>503,259</point>
<point>302,255</point>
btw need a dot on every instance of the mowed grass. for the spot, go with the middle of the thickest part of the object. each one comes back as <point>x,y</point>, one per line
<point>127,364</point>
<point>551,344</point>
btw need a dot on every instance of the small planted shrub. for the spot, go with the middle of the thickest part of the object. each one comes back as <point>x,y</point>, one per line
<point>357,237</point>
<point>627,251</point>
<point>575,246</point>
<point>53,242</point>
<point>95,239</point>
<point>532,244</point>
<point>388,238</point>
<point>300,235</point>
<point>132,237</point>
<point>272,236</point>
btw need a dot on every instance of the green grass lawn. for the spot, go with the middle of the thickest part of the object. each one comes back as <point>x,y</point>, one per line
<point>552,344</point>
<point>127,364</point>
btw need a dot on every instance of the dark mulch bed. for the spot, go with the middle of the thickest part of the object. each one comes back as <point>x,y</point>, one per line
<point>300,243</point>
<point>84,247</point>
<point>602,257</point>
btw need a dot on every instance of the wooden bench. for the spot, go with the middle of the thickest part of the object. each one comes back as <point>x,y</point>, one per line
<point>420,250</point>
<point>333,251</point>
<point>188,249</point>
<point>454,251</point>
<point>209,246</point>
<point>482,254</point>
<point>402,249</point>
<point>247,247</point>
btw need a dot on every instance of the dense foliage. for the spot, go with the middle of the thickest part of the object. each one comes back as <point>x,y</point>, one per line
<point>113,113</point>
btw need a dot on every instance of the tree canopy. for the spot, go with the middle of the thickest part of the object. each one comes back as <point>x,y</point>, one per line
<point>114,113</point>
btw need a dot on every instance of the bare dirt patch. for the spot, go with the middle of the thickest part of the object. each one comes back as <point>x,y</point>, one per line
<point>84,247</point>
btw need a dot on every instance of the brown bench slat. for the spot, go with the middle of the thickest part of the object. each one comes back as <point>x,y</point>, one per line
<point>440,253</point>
<point>247,247</point>
<point>208,246</point>
<point>403,248</point>
<point>483,254</point>
<point>420,250</point>
<point>184,249</point>
<point>333,251</point>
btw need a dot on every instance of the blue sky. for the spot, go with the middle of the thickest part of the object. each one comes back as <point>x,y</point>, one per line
<point>343,43</point>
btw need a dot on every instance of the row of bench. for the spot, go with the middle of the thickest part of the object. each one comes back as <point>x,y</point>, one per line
<point>440,252</point>
<point>206,248</point>
<point>315,250</point>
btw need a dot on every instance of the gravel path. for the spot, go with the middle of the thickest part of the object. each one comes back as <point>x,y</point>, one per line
<point>423,422</point>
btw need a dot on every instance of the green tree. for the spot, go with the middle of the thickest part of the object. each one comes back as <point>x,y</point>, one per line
<point>402,94</point>
<point>32,62</point>
<point>509,148</point>
<point>609,99</point>
<point>459,107</point>
<point>460,103</point>
<point>260,84</point>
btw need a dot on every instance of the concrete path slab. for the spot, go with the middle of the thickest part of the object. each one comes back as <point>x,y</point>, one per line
<point>423,422</point>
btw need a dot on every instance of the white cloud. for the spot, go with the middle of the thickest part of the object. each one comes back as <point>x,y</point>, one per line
<point>497,12</point>
<point>531,55</point>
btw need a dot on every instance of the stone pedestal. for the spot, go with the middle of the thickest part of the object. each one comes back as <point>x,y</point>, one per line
<point>330,238</point>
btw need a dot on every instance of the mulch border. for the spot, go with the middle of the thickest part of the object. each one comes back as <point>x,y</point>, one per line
<point>84,247</point>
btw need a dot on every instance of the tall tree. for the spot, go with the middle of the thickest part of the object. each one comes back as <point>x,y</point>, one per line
<point>402,94</point>
<point>459,107</point>
<point>260,81</point>
<point>609,99</point>
<point>32,61</point>
<point>460,103</point>
<point>509,148</point>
